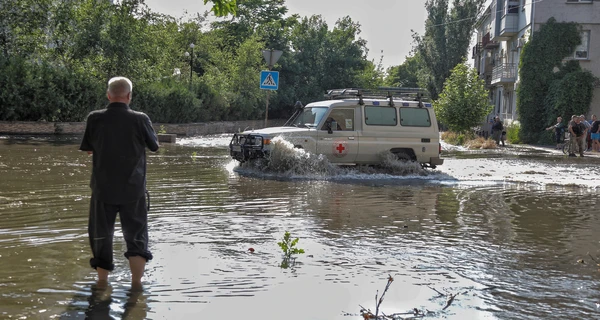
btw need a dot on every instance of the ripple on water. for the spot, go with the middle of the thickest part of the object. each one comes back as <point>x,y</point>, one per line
<point>508,247</point>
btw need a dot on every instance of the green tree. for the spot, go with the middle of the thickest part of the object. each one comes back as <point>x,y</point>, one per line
<point>464,101</point>
<point>407,74</point>
<point>22,26</point>
<point>323,59</point>
<point>550,87</point>
<point>58,55</point>
<point>446,39</point>
<point>223,7</point>
<point>262,17</point>
<point>245,97</point>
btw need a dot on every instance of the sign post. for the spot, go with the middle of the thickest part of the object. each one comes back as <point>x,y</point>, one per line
<point>269,80</point>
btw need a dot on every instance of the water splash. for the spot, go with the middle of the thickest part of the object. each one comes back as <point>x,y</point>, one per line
<point>290,161</point>
<point>287,160</point>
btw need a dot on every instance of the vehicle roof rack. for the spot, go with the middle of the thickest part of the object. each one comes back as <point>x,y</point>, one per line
<point>391,93</point>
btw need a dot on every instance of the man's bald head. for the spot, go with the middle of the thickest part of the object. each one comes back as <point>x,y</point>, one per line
<point>119,90</point>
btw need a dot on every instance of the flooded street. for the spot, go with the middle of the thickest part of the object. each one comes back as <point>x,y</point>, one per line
<point>512,233</point>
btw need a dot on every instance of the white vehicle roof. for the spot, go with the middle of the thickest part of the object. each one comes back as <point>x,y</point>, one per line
<point>406,97</point>
<point>367,102</point>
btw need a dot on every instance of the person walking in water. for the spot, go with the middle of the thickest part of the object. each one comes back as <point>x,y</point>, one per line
<point>117,138</point>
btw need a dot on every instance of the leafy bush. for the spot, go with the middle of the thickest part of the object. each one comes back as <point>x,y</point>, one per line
<point>168,101</point>
<point>512,132</point>
<point>38,90</point>
<point>570,95</point>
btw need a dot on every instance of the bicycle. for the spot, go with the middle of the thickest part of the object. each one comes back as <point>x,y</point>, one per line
<point>567,144</point>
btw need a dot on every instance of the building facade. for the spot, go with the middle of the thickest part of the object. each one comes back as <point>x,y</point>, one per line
<point>504,28</point>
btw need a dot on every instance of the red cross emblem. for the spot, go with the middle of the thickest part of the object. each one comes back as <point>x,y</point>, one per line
<point>340,148</point>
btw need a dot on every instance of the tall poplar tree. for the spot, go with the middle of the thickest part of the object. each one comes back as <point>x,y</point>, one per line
<point>448,31</point>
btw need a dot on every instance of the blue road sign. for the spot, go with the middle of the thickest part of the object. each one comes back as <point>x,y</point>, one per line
<point>269,80</point>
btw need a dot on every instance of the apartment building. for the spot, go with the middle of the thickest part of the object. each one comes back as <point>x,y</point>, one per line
<point>504,28</point>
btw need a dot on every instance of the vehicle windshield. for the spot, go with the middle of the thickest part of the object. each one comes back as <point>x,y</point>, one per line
<point>309,117</point>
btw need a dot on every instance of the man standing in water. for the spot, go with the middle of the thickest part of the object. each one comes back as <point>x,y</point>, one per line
<point>117,137</point>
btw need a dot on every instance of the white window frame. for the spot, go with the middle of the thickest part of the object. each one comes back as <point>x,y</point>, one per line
<point>583,47</point>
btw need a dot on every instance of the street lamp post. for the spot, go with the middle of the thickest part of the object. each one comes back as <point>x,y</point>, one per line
<point>191,62</point>
<point>191,55</point>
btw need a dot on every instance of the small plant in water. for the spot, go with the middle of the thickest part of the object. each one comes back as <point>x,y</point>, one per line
<point>162,129</point>
<point>288,246</point>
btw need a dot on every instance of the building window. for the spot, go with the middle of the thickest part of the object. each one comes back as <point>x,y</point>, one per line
<point>582,1</point>
<point>581,52</point>
<point>513,6</point>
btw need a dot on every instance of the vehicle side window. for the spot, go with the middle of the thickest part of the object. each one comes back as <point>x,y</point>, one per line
<point>415,117</point>
<point>344,119</point>
<point>380,116</point>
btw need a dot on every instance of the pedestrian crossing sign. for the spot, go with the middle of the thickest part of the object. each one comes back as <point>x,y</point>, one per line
<point>269,80</point>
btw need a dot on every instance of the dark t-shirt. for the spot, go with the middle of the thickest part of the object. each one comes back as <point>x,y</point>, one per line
<point>595,125</point>
<point>497,126</point>
<point>118,137</point>
<point>578,129</point>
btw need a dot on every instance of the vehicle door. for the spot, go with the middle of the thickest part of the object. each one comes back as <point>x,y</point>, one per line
<point>338,137</point>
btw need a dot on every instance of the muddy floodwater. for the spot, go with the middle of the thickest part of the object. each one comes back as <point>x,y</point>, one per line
<point>512,233</point>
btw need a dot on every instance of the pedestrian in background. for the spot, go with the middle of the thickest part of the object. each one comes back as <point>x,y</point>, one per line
<point>588,138</point>
<point>497,129</point>
<point>559,129</point>
<point>595,134</point>
<point>577,140</point>
<point>118,137</point>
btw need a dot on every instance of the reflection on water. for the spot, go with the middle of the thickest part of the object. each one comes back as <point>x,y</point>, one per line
<point>509,250</point>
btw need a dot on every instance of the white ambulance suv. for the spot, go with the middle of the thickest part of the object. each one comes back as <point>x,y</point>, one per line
<point>354,127</point>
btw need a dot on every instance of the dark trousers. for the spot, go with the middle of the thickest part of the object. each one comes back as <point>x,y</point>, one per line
<point>101,229</point>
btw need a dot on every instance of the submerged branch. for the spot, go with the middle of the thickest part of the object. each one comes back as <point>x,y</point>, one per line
<point>413,314</point>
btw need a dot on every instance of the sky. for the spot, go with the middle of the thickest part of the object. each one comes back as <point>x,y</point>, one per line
<point>385,24</point>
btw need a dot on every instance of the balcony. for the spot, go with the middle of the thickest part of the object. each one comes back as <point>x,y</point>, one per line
<point>487,43</point>
<point>509,27</point>
<point>504,73</point>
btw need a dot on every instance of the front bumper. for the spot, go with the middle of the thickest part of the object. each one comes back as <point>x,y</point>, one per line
<point>245,147</point>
